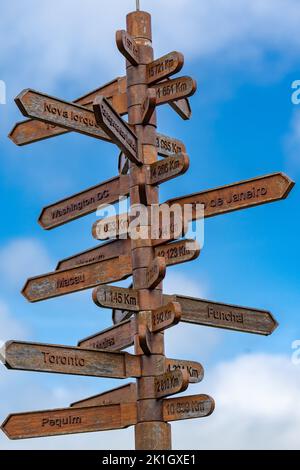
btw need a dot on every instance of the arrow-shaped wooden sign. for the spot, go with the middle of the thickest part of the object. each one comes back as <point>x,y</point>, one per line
<point>118,130</point>
<point>164,67</point>
<point>128,47</point>
<point>190,407</point>
<point>70,421</point>
<point>116,297</point>
<point>59,359</point>
<point>165,317</point>
<point>124,394</point>
<point>219,315</point>
<point>175,253</point>
<point>61,113</point>
<point>167,169</point>
<point>241,195</point>
<point>76,279</point>
<point>194,370</point>
<point>115,338</point>
<point>169,147</point>
<point>30,131</point>
<point>174,90</point>
<point>169,383</point>
<point>84,203</point>
<point>182,107</point>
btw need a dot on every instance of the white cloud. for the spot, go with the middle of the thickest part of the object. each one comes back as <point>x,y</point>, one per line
<point>22,258</point>
<point>9,326</point>
<point>256,408</point>
<point>72,40</point>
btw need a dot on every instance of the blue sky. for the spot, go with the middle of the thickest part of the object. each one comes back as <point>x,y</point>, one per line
<point>244,55</point>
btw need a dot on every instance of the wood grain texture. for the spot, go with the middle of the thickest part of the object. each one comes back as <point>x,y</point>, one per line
<point>165,317</point>
<point>77,279</point>
<point>190,407</point>
<point>194,370</point>
<point>178,252</point>
<point>167,169</point>
<point>115,338</point>
<point>169,383</point>
<point>148,107</point>
<point>105,251</point>
<point>168,146</point>
<point>175,89</point>
<point>128,47</point>
<point>30,131</point>
<point>231,317</point>
<point>164,67</point>
<point>70,421</point>
<point>124,394</point>
<point>59,359</point>
<point>241,195</point>
<point>183,108</point>
<point>83,203</point>
<point>116,297</point>
<point>118,130</point>
<point>60,113</point>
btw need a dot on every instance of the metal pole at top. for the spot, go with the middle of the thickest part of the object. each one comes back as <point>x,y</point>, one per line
<point>137,5</point>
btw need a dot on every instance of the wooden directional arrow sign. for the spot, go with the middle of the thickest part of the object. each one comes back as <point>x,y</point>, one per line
<point>60,113</point>
<point>153,275</point>
<point>174,253</point>
<point>166,169</point>
<point>70,421</point>
<point>164,385</point>
<point>84,203</point>
<point>164,67</point>
<point>148,107</point>
<point>165,317</point>
<point>76,279</point>
<point>241,195</point>
<point>128,47</point>
<point>118,130</point>
<point>194,370</point>
<point>115,338</point>
<point>124,394</point>
<point>169,147</point>
<point>105,251</point>
<point>116,297</point>
<point>174,90</point>
<point>194,406</point>
<point>231,317</point>
<point>31,131</point>
<point>69,360</point>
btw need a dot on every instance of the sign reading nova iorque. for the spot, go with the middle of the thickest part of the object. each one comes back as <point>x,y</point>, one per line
<point>60,113</point>
<point>118,130</point>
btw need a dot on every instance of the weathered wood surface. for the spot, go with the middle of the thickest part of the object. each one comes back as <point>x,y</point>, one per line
<point>128,47</point>
<point>174,90</point>
<point>76,279</point>
<point>154,274</point>
<point>124,394</point>
<point>168,146</point>
<point>59,359</point>
<point>190,407</point>
<point>194,370</point>
<point>115,338</point>
<point>85,202</point>
<point>70,421</point>
<point>164,67</point>
<point>240,195</point>
<point>167,169</point>
<point>61,113</point>
<point>30,131</point>
<point>219,315</point>
<point>116,297</point>
<point>118,130</point>
<point>148,107</point>
<point>105,251</point>
<point>169,383</point>
<point>178,252</point>
<point>165,317</point>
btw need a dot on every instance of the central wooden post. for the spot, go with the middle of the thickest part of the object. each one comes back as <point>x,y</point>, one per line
<point>151,432</point>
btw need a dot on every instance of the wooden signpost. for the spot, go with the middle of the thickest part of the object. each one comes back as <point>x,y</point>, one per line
<point>141,313</point>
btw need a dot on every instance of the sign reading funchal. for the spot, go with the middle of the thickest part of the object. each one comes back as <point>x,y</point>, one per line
<point>142,312</point>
